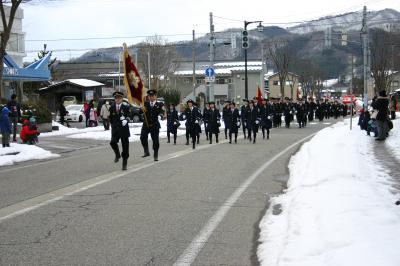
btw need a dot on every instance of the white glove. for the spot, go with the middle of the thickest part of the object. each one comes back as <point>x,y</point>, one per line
<point>184,116</point>
<point>269,117</point>
<point>174,123</point>
<point>122,118</point>
<point>124,122</point>
<point>196,122</point>
<point>257,122</point>
<point>244,124</point>
<point>238,123</point>
<point>160,117</point>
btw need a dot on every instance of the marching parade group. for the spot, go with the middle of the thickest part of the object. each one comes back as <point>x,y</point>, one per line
<point>254,115</point>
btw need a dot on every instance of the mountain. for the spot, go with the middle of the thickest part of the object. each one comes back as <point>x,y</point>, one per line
<point>386,19</point>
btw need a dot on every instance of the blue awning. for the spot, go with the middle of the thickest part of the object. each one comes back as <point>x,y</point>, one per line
<point>37,71</point>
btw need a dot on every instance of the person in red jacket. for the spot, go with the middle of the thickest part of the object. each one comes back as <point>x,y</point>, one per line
<point>28,134</point>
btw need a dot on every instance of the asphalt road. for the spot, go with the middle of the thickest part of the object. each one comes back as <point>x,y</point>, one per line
<point>199,207</point>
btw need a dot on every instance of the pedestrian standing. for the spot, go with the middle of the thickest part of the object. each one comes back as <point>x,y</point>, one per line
<point>119,118</point>
<point>86,111</point>
<point>5,127</point>
<point>172,123</point>
<point>152,111</point>
<point>105,115</point>
<point>63,112</point>
<point>15,114</point>
<point>382,105</point>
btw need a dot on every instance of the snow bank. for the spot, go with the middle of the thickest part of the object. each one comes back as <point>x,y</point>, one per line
<point>338,208</point>
<point>393,142</point>
<point>23,152</point>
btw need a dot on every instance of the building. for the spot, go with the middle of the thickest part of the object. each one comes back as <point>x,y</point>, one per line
<point>290,89</point>
<point>394,82</point>
<point>15,49</point>
<point>228,85</point>
<point>81,89</point>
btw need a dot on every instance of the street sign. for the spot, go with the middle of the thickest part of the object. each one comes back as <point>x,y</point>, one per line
<point>210,79</point>
<point>210,72</point>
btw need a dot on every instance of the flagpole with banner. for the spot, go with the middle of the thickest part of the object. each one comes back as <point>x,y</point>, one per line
<point>133,83</point>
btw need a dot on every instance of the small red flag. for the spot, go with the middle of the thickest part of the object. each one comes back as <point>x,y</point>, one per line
<point>259,95</point>
<point>133,83</point>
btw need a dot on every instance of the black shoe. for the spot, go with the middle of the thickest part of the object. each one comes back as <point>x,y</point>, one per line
<point>230,142</point>
<point>168,141</point>
<point>146,154</point>
<point>116,159</point>
<point>124,164</point>
<point>267,136</point>
<point>156,156</point>
<point>187,143</point>
<point>254,141</point>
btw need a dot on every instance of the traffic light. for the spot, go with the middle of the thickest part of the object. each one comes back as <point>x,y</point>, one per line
<point>245,39</point>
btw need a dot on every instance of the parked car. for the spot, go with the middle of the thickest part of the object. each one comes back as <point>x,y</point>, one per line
<point>135,117</point>
<point>75,113</point>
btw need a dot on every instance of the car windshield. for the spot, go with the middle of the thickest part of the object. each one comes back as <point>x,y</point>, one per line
<point>73,107</point>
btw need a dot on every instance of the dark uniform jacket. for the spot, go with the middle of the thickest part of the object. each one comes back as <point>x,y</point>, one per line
<point>213,117</point>
<point>151,115</point>
<point>265,115</point>
<point>233,119</point>
<point>192,116</point>
<point>116,122</point>
<point>253,116</point>
<point>172,121</point>
<point>382,105</point>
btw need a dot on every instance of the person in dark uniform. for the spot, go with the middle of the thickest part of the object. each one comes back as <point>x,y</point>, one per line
<point>312,106</point>
<point>213,122</point>
<point>225,118</point>
<point>205,111</point>
<point>119,118</point>
<point>172,123</point>
<point>233,121</point>
<point>253,120</point>
<point>301,113</point>
<point>265,115</point>
<point>152,110</point>
<point>243,115</point>
<point>287,112</point>
<point>198,125</point>
<point>192,116</point>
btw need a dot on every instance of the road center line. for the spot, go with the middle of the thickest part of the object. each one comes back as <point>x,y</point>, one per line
<point>197,244</point>
<point>48,198</point>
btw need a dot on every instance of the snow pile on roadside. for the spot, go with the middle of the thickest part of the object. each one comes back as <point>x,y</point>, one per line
<point>23,152</point>
<point>338,208</point>
<point>63,130</point>
<point>135,129</point>
<point>393,141</point>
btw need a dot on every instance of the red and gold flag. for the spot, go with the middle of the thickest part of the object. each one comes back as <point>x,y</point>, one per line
<point>133,83</point>
<point>259,95</point>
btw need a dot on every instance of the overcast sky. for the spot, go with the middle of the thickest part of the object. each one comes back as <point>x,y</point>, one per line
<point>173,19</point>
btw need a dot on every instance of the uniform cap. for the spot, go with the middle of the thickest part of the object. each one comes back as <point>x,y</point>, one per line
<point>118,94</point>
<point>151,92</point>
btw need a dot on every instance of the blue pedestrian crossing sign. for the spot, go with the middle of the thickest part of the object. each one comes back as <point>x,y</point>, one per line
<point>210,72</point>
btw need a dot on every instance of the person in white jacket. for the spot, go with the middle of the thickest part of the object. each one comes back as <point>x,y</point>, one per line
<point>105,115</point>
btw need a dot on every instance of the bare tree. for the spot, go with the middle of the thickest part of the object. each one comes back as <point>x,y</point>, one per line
<point>380,60</point>
<point>280,56</point>
<point>164,59</point>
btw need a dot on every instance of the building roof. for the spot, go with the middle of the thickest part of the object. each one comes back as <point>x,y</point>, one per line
<point>86,83</point>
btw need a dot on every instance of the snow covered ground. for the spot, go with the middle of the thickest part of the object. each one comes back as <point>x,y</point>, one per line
<point>338,208</point>
<point>393,143</point>
<point>23,152</point>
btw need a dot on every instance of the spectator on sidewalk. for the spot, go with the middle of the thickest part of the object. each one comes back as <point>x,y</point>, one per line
<point>63,112</point>
<point>15,114</point>
<point>393,107</point>
<point>29,133</point>
<point>381,104</point>
<point>105,115</point>
<point>5,127</point>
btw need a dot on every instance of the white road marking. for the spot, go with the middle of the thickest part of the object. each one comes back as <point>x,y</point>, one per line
<point>197,244</point>
<point>45,199</point>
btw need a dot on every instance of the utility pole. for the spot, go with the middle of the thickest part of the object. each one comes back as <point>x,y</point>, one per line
<point>148,62</point>
<point>212,56</point>
<point>194,64</point>
<point>364,34</point>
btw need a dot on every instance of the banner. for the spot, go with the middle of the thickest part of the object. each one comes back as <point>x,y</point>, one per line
<point>133,83</point>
